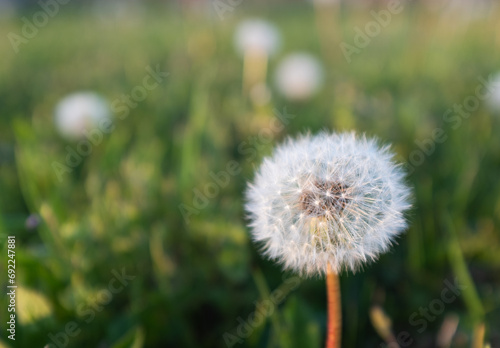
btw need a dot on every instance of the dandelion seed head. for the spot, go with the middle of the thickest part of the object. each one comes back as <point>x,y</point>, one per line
<point>299,76</point>
<point>344,207</point>
<point>80,112</point>
<point>256,35</point>
<point>8,9</point>
<point>493,87</point>
<point>326,2</point>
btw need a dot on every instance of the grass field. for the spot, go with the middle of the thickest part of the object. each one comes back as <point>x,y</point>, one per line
<point>193,277</point>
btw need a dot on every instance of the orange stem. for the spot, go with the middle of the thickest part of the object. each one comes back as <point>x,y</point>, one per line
<point>334,309</point>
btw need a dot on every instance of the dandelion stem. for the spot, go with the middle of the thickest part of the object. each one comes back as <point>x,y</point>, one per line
<point>254,69</point>
<point>334,310</point>
<point>478,337</point>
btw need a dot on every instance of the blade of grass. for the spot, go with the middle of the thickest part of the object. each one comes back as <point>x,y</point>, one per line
<point>264,292</point>
<point>459,266</point>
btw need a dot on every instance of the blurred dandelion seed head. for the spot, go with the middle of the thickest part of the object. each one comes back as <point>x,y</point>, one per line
<point>112,10</point>
<point>465,10</point>
<point>80,112</point>
<point>8,9</point>
<point>299,76</point>
<point>335,199</point>
<point>256,35</point>
<point>326,2</point>
<point>494,98</point>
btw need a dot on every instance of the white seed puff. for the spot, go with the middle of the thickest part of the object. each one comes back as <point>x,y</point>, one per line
<point>80,112</point>
<point>299,76</point>
<point>256,35</point>
<point>335,199</point>
<point>493,99</point>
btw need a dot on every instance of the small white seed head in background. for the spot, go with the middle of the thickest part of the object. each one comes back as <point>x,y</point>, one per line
<point>256,35</point>
<point>299,76</point>
<point>80,112</point>
<point>493,87</point>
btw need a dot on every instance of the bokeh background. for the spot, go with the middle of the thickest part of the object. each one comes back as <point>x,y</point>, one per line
<point>197,275</point>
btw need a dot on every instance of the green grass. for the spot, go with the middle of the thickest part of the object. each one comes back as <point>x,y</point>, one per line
<point>120,207</point>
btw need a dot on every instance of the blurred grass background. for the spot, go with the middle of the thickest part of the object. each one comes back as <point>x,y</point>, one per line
<point>120,207</point>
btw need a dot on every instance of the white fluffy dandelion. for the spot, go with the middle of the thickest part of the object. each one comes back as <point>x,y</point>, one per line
<point>256,35</point>
<point>110,10</point>
<point>494,96</point>
<point>80,112</point>
<point>462,10</point>
<point>7,9</point>
<point>299,76</point>
<point>327,201</point>
<point>325,2</point>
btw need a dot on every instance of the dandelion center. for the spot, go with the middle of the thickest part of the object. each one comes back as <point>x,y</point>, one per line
<point>324,198</point>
